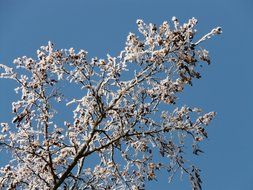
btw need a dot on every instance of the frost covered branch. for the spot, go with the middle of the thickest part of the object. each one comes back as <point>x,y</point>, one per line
<point>124,113</point>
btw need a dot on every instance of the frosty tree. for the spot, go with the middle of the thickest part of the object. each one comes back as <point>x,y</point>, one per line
<point>125,117</point>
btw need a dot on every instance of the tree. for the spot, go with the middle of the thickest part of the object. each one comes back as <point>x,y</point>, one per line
<point>125,117</point>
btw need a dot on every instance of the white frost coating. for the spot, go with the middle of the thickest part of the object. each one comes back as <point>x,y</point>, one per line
<point>123,114</point>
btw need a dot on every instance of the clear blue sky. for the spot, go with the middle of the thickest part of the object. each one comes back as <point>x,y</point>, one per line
<point>101,27</point>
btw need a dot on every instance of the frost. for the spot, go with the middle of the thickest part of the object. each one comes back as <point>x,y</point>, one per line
<point>125,113</point>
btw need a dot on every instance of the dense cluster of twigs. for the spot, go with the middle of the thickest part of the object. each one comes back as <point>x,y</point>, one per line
<point>123,120</point>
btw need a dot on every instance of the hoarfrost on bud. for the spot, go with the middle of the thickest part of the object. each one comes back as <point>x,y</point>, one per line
<point>8,72</point>
<point>71,51</point>
<point>174,19</point>
<point>217,30</point>
<point>139,21</point>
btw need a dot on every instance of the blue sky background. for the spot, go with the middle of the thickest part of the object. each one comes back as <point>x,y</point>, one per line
<point>101,27</point>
